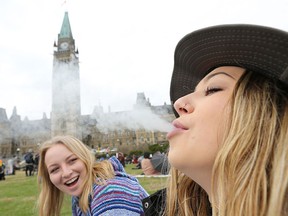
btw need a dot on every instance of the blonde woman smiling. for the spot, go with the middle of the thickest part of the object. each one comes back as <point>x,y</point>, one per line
<point>67,166</point>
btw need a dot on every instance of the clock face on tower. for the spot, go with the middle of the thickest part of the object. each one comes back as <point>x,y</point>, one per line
<point>64,46</point>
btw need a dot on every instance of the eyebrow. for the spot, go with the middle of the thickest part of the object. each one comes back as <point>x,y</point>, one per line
<point>209,76</point>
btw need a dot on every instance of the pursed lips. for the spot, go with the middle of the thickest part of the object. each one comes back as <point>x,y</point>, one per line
<point>178,127</point>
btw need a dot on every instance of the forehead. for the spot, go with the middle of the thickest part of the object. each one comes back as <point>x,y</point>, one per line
<point>57,147</point>
<point>57,152</point>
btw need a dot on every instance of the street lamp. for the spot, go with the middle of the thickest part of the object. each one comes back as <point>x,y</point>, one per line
<point>18,152</point>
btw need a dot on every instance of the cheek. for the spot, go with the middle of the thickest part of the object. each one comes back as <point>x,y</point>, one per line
<point>193,152</point>
<point>81,167</point>
<point>55,179</point>
<point>213,123</point>
<point>197,148</point>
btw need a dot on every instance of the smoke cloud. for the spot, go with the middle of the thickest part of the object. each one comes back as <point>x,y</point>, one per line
<point>136,119</point>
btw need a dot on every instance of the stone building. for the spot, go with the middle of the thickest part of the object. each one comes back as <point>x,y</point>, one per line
<point>17,136</point>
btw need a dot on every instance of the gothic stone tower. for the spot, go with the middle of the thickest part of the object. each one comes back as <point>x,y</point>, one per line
<point>66,108</point>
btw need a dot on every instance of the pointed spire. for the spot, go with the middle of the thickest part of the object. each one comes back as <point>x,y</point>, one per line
<point>66,29</point>
<point>15,116</point>
<point>44,116</point>
<point>14,113</point>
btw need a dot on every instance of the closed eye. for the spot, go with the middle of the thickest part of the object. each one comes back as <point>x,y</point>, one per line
<point>72,160</point>
<point>211,90</point>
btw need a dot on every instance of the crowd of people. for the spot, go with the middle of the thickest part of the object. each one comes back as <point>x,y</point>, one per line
<point>29,163</point>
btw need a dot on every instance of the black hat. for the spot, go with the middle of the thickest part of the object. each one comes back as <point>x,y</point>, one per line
<point>260,49</point>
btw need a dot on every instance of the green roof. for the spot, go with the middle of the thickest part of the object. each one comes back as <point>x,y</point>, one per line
<point>66,29</point>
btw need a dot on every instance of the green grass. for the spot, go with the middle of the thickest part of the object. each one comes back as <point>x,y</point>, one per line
<point>18,193</point>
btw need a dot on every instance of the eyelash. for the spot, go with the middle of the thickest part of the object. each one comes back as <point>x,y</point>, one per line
<point>54,170</point>
<point>73,160</point>
<point>211,90</point>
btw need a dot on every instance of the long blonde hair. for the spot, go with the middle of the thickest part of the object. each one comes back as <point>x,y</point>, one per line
<point>51,198</point>
<point>185,197</point>
<point>250,173</point>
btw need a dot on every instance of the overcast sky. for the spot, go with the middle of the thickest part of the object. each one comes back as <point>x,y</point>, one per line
<point>125,46</point>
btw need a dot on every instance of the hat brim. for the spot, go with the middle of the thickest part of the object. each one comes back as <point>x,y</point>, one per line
<point>257,48</point>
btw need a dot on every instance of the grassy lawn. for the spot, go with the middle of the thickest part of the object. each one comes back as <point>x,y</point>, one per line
<point>18,193</point>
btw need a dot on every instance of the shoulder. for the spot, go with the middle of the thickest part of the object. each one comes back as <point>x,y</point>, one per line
<point>118,194</point>
<point>117,166</point>
<point>121,177</point>
<point>120,186</point>
<point>125,182</point>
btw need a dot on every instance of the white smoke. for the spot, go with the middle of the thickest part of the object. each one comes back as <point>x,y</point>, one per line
<point>142,118</point>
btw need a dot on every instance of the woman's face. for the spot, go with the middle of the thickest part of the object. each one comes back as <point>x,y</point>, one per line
<point>66,171</point>
<point>199,129</point>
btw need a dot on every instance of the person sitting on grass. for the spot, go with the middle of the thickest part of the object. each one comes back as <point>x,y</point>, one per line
<point>147,166</point>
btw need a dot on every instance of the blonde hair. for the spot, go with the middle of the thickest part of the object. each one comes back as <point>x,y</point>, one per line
<point>185,197</point>
<point>250,173</point>
<point>51,198</point>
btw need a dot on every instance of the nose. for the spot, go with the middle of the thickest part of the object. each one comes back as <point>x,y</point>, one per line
<point>66,172</point>
<point>183,106</point>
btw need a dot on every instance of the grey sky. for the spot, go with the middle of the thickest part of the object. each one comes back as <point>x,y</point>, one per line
<point>125,46</point>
